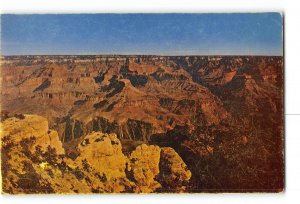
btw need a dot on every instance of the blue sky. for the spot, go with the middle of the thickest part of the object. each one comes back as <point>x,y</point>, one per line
<point>161,34</point>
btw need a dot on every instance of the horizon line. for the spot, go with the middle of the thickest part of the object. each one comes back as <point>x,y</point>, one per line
<point>159,55</point>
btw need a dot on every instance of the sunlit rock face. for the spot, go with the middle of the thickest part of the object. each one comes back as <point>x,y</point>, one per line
<point>144,164</point>
<point>31,126</point>
<point>33,161</point>
<point>104,153</point>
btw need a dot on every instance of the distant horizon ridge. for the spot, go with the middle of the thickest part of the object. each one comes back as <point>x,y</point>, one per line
<point>158,55</point>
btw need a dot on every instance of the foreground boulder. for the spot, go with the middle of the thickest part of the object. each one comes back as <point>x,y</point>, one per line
<point>144,163</point>
<point>158,169</point>
<point>104,153</point>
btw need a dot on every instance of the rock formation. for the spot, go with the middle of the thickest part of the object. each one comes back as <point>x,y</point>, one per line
<point>104,153</point>
<point>31,126</point>
<point>144,164</point>
<point>33,161</point>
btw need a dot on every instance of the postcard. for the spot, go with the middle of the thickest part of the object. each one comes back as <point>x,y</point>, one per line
<point>142,103</point>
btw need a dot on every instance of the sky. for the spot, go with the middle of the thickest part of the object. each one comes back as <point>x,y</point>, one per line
<point>142,34</point>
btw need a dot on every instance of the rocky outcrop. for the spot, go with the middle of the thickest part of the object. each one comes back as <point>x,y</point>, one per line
<point>31,126</point>
<point>104,153</point>
<point>144,168</point>
<point>33,161</point>
<point>144,165</point>
<point>162,169</point>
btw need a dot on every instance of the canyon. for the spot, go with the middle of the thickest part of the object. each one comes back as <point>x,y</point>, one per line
<point>163,123</point>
